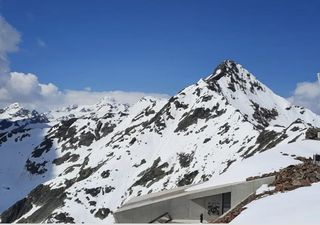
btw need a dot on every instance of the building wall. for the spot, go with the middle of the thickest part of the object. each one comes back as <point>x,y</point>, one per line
<point>188,205</point>
<point>243,190</point>
<point>143,214</point>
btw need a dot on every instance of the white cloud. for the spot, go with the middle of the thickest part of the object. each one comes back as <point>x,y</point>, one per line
<point>9,40</point>
<point>307,94</point>
<point>48,90</point>
<point>28,91</point>
<point>20,87</point>
<point>21,84</point>
<point>87,88</point>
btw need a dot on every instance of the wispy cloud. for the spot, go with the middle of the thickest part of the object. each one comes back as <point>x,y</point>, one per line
<point>41,43</point>
<point>88,89</point>
<point>30,16</point>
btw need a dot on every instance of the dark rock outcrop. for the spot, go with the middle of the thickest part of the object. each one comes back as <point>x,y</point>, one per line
<point>102,213</point>
<point>49,199</point>
<point>313,134</point>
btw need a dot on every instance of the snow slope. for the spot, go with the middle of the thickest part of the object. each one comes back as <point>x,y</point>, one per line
<point>275,159</point>
<point>300,206</point>
<point>83,162</point>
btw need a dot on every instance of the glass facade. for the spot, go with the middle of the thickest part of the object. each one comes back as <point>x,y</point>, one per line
<point>226,202</point>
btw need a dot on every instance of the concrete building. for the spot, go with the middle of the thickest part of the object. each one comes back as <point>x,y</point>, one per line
<point>180,205</point>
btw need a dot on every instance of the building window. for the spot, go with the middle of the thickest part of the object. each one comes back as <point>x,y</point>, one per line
<point>226,202</point>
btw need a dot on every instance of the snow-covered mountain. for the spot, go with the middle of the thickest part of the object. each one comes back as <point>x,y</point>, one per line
<point>80,163</point>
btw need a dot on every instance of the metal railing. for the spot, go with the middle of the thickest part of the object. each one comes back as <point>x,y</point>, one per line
<point>165,220</point>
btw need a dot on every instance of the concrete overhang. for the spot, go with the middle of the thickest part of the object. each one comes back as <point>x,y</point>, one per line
<point>153,198</point>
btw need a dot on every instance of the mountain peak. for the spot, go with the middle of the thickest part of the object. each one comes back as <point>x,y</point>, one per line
<point>234,77</point>
<point>228,63</point>
<point>10,110</point>
<point>15,105</point>
<point>226,68</point>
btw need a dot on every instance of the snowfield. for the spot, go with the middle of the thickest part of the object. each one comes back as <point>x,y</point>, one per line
<point>300,206</point>
<point>269,161</point>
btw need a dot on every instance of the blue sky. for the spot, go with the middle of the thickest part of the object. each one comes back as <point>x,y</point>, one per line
<point>163,46</point>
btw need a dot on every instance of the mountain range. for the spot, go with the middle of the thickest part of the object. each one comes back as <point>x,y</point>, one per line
<point>80,163</point>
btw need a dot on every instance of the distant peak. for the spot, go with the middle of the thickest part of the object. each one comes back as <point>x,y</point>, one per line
<point>107,100</point>
<point>15,105</point>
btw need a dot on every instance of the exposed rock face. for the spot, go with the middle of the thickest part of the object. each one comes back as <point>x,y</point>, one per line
<point>66,157</point>
<point>188,178</point>
<point>192,118</point>
<point>16,211</point>
<point>313,134</point>
<point>49,199</point>
<point>263,115</point>
<point>102,213</point>
<point>63,218</point>
<point>152,174</point>
<point>185,159</point>
<point>45,146</point>
<point>296,176</point>
<point>36,168</point>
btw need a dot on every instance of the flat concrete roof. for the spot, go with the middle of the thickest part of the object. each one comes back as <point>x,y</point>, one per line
<point>147,199</point>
